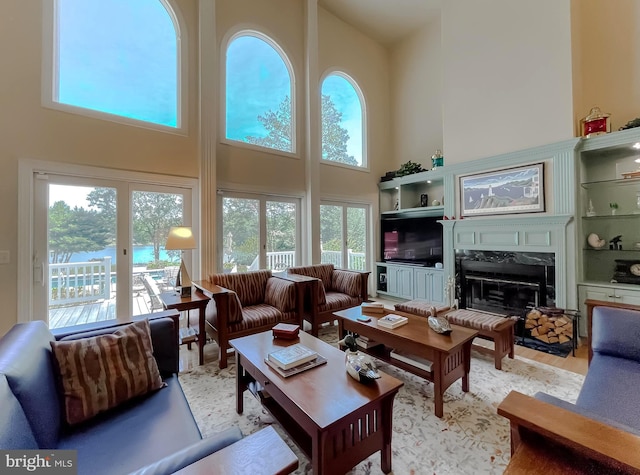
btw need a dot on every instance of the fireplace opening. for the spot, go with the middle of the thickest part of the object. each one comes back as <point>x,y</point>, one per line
<point>505,283</point>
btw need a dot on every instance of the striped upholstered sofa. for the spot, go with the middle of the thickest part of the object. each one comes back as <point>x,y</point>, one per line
<point>331,290</point>
<point>247,303</point>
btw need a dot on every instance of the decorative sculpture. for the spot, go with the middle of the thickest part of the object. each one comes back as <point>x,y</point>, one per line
<point>359,365</point>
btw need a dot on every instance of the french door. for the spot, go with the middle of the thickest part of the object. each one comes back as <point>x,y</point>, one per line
<point>259,232</point>
<point>344,235</point>
<point>98,247</point>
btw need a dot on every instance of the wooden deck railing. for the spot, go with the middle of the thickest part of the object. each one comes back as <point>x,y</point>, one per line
<point>76,282</point>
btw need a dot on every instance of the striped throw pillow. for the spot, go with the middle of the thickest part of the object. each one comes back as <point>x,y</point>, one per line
<point>101,372</point>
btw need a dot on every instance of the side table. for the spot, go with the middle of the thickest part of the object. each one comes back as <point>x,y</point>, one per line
<point>197,300</point>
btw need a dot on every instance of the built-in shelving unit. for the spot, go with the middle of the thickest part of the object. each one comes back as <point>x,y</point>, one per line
<point>603,162</point>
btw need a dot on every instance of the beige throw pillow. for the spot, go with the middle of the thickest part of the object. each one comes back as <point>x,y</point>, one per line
<point>101,372</point>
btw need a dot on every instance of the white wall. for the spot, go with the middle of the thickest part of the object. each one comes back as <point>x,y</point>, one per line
<point>506,75</point>
<point>416,90</point>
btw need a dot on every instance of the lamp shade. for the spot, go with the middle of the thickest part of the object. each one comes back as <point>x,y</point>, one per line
<point>180,238</point>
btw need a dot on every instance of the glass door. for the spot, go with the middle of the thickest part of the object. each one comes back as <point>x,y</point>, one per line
<point>99,248</point>
<point>259,232</point>
<point>344,235</point>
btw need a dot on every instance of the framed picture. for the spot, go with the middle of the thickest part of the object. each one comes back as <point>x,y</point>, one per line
<point>508,191</point>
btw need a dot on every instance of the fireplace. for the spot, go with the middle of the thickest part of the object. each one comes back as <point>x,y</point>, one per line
<point>505,283</point>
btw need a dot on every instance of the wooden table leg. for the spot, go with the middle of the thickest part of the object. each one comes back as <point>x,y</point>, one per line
<point>387,430</point>
<point>202,338</point>
<point>438,377</point>
<point>467,366</point>
<point>239,385</point>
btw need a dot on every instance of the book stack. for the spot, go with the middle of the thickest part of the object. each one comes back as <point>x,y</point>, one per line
<point>372,307</point>
<point>366,342</point>
<point>392,321</point>
<point>293,360</point>
<point>413,360</point>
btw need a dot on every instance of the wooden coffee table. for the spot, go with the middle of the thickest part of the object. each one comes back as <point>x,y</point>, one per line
<point>336,421</point>
<point>450,355</point>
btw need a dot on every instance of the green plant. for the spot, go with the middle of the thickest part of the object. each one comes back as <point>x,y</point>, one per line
<point>409,168</point>
<point>613,205</point>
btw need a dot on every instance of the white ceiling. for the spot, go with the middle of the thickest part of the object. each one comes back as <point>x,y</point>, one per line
<point>386,21</point>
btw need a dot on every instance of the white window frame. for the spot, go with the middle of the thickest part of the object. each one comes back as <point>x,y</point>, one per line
<point>363,106</point>
<point>228,39</point>
<point>50,73</point>
<point>27,168</point>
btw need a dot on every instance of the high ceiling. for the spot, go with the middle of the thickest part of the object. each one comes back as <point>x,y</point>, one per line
<point>386,21</point>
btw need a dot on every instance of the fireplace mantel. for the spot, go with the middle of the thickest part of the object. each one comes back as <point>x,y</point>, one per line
<point>531,233</point>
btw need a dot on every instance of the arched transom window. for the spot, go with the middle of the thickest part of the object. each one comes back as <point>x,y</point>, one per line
<point>259,91</point>
<point>117,57</point>
<point>343,133</point>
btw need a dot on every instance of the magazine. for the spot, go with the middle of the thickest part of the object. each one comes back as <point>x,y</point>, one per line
<point>413,360</point>
<point>392,321</point>
<point>291,356</point>
<point>317,361</point>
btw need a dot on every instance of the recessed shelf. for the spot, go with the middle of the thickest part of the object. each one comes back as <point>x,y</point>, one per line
<point>613,216</point>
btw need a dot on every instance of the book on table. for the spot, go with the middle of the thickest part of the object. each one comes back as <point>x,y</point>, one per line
<point>392,321</point>
<point>291,356</point>
<point>366,343</point>
<point>414,360</point>
<point>317,361</point>
<point>372,307</point>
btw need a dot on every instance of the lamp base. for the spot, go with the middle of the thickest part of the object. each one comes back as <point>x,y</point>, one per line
<point>185,291</point>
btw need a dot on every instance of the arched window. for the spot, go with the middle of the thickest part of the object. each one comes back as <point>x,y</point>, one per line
<point>343,132</point>
<point>259,92</point>
<point>117,57</point>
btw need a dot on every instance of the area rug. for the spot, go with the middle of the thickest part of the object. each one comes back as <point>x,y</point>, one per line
<point>470,439</point>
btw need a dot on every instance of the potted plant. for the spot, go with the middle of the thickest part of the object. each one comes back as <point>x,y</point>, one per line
<point>614,207</point>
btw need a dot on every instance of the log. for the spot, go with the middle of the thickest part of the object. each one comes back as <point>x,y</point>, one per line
<point>563,338</point>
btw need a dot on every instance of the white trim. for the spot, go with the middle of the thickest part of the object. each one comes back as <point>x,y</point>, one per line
<point>259,33</point>
<point>26,170</point>
<point>49,86</point>
<point>363,110</point>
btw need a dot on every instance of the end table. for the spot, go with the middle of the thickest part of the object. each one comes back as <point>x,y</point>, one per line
<point>197,300</point>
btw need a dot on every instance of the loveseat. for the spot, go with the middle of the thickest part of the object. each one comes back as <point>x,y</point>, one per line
<point>602,428</point>
<point>246,303</point>
<point>151,434</point>
<point>330,290</point>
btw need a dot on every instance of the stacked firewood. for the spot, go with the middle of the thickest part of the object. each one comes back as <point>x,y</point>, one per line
<point>550,326</point>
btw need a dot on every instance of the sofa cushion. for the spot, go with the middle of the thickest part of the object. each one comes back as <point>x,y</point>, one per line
<point>323,272</point>
<point>26,362</point>
<point>135,434</point>
<point>615,332</point>
<point>280,293</point>
<point>346,282</point>
<point>15,432</point>
<point>102,372</point>
<point>610,389</point>
<point>250,286</point>
<point>338,301</point>
<point>257,316</point>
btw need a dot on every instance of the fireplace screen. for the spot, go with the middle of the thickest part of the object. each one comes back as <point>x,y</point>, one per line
<point>505,288</point>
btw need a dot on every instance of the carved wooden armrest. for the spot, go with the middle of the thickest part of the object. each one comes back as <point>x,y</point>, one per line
<point>589,438</point>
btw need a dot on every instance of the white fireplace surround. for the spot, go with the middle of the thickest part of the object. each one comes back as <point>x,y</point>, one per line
<point>552,231</point>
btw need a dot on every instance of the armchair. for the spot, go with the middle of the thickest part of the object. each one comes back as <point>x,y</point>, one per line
<point>332,290</point>
<point>247,303</point>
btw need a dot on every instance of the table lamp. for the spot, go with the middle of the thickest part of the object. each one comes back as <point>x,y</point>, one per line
<point>181,239</point>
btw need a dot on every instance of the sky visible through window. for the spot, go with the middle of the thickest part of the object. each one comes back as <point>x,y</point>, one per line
<point>346,100</point>
<point>257,82</point>
<point>119,57</point>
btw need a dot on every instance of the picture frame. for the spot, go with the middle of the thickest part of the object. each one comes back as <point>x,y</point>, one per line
<point>508,191</point>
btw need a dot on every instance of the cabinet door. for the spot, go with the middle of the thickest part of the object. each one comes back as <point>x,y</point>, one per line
<point>603,294</point>
<point>423,284</point>
<point>392,280</point>
<point>437,286</point>
<point>405,283</point>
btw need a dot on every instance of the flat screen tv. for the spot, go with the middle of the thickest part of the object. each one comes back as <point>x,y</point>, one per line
<point>415,240</point>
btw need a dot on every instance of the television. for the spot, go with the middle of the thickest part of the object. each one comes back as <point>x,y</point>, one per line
<point>414,240</point>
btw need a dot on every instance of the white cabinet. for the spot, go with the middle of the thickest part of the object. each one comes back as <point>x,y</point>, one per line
<point>400,281</point>
<point>604,293</point>
<point>411,282</point>
<point>429,284</point>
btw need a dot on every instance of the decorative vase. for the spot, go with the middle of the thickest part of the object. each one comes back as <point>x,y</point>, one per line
<point>613,211</point>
